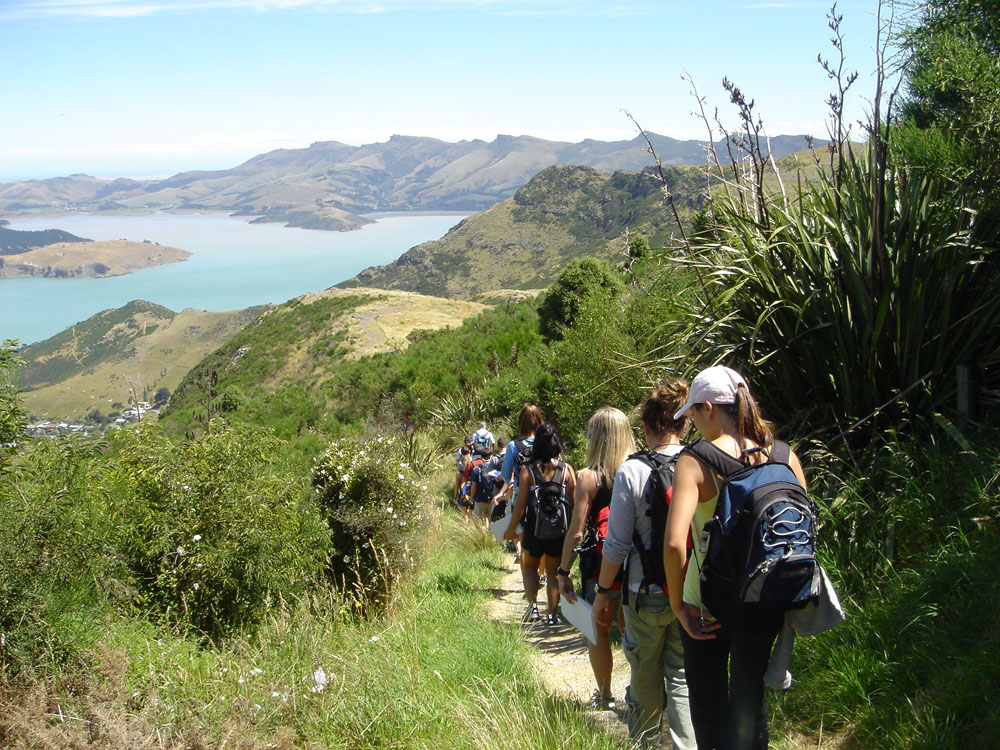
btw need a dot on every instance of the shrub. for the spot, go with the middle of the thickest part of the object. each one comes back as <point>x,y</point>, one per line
<point>209,530</point>
<point>54,560</point>
<point>582,278</point>
<point>11,417</point>
<point>371,500</point>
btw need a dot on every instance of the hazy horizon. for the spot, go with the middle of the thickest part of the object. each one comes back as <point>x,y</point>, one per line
<point>139,88</point>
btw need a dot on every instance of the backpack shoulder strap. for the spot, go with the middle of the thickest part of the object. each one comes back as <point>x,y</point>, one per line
<point>715,458</point>
<point>560,473</point>
<point>780,452</point>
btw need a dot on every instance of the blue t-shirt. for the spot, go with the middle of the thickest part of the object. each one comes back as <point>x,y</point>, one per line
<point>509,460</point>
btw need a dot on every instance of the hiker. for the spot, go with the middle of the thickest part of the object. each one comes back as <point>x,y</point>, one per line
<point>724,661</point>
<point>517,453</point>
<point>546,518</point>
<point>466,498</point>
<point>462,461</point>
<point>609,441</point>
<point>486,481</point>
<point>483,439</point>
<point>652,637</point>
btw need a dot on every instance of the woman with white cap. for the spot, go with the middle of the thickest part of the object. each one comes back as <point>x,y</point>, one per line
<point>724,663</point>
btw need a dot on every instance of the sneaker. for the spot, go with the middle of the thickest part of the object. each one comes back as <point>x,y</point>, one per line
<point>602,702</point>
<point>531,613</point>
<point>553,620</point>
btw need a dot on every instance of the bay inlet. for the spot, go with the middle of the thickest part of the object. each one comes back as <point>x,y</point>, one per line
<point>235,264</point>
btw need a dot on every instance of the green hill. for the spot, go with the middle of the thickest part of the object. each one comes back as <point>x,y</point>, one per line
<point>524,242</point>
<point>14,241</point>
<point>88,366</point>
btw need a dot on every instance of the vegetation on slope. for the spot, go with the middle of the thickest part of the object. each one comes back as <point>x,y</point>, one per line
<point>523,243</point>
<point>14,241</point>
<point>85,371</point>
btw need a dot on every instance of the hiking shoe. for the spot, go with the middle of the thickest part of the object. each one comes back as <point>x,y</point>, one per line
<point>553,620</point>
<point>602,702</point>
<point>531,613</point>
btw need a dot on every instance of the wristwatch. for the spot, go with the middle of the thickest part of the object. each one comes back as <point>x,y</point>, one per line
<point>604,589</point>
<point>561,572</point>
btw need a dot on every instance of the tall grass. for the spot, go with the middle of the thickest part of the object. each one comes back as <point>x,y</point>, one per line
<point>432,672</point>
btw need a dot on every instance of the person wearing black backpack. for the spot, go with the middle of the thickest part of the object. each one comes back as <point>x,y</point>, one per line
<point>725,657</point>
<point>544,501</point>
<point>636,525</point>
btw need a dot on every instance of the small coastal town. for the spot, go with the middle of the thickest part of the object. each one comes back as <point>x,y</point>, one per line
<point>51,429</point>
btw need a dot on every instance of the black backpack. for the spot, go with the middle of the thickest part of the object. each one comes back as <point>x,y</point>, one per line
<point>522,457</point>
<point>760,547</point>
<point>549,503</point>
<point>485,486</point>
<point>657,501</point>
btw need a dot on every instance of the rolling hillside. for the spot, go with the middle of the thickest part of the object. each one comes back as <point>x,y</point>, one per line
<point>88,366</point>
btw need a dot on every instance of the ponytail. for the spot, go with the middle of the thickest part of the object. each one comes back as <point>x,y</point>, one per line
<point>749,422</point>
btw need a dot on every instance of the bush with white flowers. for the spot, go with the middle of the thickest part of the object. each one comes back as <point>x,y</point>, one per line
<point>371,499</point>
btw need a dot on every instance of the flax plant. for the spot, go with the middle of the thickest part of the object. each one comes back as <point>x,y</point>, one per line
<point>853,310</point>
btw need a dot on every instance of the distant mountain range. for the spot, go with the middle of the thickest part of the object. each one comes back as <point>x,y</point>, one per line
<point>332,185</point>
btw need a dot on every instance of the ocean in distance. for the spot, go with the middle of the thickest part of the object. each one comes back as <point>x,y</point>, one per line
<point>235,264</point>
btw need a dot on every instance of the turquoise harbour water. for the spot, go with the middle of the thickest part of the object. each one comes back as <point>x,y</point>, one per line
<point>234,265</point>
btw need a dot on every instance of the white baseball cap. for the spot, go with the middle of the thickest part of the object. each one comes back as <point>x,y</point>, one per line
<point>716,385</point>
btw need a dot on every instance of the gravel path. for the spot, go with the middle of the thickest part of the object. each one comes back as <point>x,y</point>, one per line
<point>561,654</point>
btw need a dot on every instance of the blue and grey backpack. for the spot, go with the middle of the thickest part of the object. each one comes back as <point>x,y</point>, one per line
<point>759,549</point>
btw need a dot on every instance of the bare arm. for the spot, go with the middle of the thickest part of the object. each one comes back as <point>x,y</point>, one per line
<point>691,482</point>
<point>524,483</point>
<point>793,461</point>
<point>584,491</point>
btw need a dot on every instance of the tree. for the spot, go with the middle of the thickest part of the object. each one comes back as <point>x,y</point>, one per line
<point>951,118</point>
<point>582,278</point>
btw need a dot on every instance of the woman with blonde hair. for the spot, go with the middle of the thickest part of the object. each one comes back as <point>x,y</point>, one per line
<point>724,661</point>
<point>609,442</point>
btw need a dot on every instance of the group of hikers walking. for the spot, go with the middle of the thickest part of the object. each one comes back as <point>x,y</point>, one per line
<point>703,552</point>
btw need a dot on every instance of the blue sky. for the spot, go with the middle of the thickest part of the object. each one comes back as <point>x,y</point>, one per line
<point>154,87</point>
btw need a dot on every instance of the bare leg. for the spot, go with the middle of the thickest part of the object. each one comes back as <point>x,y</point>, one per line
<point>551,583</point>
<point>601,660</point>
<point>529,575</point>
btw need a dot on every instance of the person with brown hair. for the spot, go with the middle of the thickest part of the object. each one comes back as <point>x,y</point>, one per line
<point>651,641</point>
<point>517,454</point>
<point>724,662</point>
<point>609,442</point>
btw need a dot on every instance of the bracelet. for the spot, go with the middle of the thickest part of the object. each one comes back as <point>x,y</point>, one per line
<point>561,572</point>
<point>604,589</point>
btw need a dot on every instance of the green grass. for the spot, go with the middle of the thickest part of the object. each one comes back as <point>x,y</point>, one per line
<point>434,672</point>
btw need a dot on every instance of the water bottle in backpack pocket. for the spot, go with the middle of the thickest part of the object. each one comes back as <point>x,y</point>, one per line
<point>549,504</point>
<point>759,549</point>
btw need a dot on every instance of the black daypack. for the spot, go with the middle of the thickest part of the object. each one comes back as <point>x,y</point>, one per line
<point>657,501</point>
<point>549,503</point>
<point>759,549</point>
<point>522,456</point>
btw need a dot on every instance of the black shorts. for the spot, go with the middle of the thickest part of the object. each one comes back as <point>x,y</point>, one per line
<point>538,547</point>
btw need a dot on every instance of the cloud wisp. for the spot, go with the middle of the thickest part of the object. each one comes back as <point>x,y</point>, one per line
<point>101,9</point>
